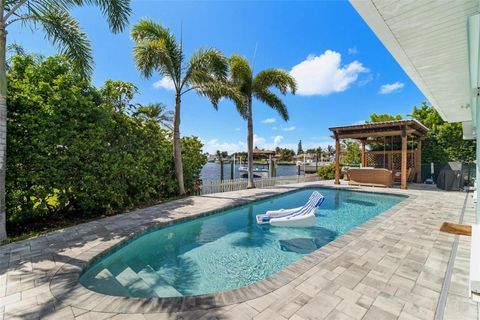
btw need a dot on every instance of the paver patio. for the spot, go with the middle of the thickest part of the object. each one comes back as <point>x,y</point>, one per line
<point>391,267</point>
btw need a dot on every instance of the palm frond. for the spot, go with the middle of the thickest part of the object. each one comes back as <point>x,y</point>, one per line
<point>273,101</point>
<point>66,34</point>
<point>16,49</point>
<point>216,90</point>
<point>117,12</point>
<point>207,73</point>
<point>156,49</point>
<point>152,56</point>
<point>277,78</point>
<point>156,112</point>
<point>241,73</point>
<point>204,66</point>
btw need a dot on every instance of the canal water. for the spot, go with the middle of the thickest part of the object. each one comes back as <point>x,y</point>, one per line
<point>211,171</point>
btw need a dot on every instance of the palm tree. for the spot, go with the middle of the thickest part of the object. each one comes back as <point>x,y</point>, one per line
<point>258,86</point>
<point>221,155</point>
<point>330,151</point>
<point>62,30</point>
<point>156,112</point>
<point>157,50</point>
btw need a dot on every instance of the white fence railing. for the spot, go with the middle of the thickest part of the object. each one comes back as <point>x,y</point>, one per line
<point>208,187</point>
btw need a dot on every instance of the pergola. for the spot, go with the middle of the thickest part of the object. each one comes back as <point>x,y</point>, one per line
<point>397,132</point>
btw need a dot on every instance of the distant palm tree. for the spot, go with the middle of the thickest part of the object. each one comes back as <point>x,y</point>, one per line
<point>258,86</point>
<point>330,151</point>
<point>156,112</point>
<point>157,50</point>
<point>221,155</point>
<point>63,31</point>
<point>13,49</point>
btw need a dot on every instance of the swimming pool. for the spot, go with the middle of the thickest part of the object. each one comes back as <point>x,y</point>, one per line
<point>227,250</point>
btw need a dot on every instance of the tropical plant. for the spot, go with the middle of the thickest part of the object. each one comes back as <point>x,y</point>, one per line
<point>328,172</point>
<point>156,112</point>
<point>221,155</point>
<point>353,153</point>
<point>89,159</point>
<point>157,50</point>
<point>383,117</point>
<point>258,86</point>
<point>13,49</point>
<point>119,94</point>
<point>330,151</point>
<point>285,154</point>
<point>63,31</point>
<point>444,140</point>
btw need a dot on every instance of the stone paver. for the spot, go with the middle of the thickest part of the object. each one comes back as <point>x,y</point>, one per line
<point>391,267</point>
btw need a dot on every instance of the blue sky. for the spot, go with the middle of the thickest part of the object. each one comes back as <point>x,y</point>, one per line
<point>343,71</point>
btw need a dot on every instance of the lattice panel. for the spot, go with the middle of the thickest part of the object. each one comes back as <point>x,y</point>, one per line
<point>375,160</point>
<point>396,162</point>
<point>378,160</point>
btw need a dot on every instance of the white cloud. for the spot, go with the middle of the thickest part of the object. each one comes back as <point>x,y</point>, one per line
<point>353,50</point>
<point>164,83</point>
<point>257,141</point>
<point>360,122</point>
<point>269,120</point>
<point>274,128</point>
<point>292,128</point>
<point>213,145</point>
<point>391,87</point>
<point>277,140</point>
<point>365,80</point>
<point>324,74</point>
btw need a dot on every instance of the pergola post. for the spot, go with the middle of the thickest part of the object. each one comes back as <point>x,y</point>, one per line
<point>337,159</point>
<point>418,161</point>
<point>403,184</point>
<point>364,159</point>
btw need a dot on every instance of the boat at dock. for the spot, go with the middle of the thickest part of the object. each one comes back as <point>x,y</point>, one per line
<point>257,172</point>
<point>311,166</point>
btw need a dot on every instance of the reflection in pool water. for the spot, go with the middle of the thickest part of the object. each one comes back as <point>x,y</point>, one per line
<point>227,250</point>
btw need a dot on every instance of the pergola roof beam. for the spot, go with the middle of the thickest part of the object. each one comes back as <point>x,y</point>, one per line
<point>365,135</point>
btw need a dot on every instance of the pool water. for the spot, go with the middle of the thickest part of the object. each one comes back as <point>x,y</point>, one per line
<point>229,249</point>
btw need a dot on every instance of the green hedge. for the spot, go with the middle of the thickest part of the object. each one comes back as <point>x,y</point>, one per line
<point>73,149</point>
<point>328,172</point>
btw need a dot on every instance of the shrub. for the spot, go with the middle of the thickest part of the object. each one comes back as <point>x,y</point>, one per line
<point>74,149</point>
<point>328,172</point>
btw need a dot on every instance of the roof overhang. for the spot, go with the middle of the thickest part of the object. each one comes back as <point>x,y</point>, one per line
<point>410,127</point>
<point>430,41</point>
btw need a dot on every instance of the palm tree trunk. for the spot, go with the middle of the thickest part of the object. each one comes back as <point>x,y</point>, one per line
<point>251,184</point>
<point>177,148</point>
<point>3,131</point>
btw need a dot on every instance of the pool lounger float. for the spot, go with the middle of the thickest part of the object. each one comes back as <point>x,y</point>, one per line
<point>297,217</point>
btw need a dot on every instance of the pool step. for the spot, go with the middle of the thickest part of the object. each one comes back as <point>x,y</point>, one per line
<point>135,285</point>
<point>110,284</point>
<point>161,287</point>
<point>139,282</point>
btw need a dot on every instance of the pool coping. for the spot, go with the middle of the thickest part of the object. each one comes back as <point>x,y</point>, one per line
<point>65,286</point>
